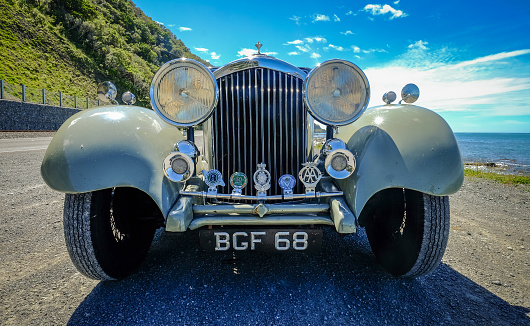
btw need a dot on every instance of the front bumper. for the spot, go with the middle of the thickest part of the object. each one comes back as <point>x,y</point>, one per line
<point>189,213</point>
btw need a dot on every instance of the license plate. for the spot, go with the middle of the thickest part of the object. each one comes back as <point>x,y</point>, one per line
<point>264,240</point>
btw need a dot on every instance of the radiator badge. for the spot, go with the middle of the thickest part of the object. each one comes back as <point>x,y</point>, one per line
<point>213,178</point>
<point>310,175</point>
<point>287,183</point>
<point>238,181</point>
<point>262,180</point>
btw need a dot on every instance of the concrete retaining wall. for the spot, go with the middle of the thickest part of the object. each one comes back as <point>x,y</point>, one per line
<point>27,116</point>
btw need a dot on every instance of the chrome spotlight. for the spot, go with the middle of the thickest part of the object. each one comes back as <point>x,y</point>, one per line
<point>128,98</point>
<point>389,97</point>
<point>187,147</point>
<point>331,145</point>
<point>107,92</point>
<point>340,164</point>
<point>178,167</point>
<point>410,93</point>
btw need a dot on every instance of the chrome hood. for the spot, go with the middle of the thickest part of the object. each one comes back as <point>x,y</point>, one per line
<point>259,61</point>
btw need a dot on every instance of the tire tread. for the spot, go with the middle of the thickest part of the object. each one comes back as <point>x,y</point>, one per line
<point>435,236</point>
<point>76,218</point>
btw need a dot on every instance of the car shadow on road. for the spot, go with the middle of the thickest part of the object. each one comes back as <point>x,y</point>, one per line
<point>343,284</point>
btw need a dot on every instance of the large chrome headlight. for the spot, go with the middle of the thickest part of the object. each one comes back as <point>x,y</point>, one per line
<point>336,92</point>
<point>184,92</point>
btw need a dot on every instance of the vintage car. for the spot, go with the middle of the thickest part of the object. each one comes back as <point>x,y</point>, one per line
<point>258,182</point>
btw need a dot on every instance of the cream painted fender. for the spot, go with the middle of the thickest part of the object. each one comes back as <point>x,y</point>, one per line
<point>404,146</point>
<point>113,146</point>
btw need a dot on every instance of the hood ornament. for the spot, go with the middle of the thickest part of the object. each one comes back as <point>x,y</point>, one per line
<point>259,45</point>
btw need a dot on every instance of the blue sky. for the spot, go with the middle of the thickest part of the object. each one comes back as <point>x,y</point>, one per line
<point>470,59</point>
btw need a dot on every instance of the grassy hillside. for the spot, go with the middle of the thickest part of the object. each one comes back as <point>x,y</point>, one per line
<point>72,45</point>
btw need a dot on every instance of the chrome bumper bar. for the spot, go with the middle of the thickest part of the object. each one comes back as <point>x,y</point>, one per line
<point>309,195</point>
<point>185,215</point>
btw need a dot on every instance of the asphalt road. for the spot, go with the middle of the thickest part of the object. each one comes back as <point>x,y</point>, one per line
<point>179,284</point>
<point>24,144</point>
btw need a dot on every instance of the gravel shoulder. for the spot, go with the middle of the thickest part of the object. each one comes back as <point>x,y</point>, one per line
<point>484,277</point>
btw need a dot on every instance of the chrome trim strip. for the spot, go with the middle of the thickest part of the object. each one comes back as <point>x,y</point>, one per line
<point>270,120</point>
<point>311,195</point>
<point>240,152</point>
<point>245,129</point>
<point>199,222</point>
<point>259,62</point>
<point>251,209</point>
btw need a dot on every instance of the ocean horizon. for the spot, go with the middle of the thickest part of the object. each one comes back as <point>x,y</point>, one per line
<point>507,150</point>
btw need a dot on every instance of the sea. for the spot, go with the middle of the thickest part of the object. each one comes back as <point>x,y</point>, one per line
<point>509,151</point>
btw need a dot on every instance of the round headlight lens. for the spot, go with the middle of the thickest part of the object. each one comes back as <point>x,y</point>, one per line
<point>184,92</point>
<point>336,92</point>
<point>339,162</point>
<point>179,165</point>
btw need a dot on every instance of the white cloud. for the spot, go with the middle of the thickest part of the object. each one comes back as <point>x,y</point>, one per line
<point>295,42</point>
<point>320,18</point>
<point>304,48</point>
<point>246,52</point>
<point>374,50</point>
<point>249,52</point>
<point>159,23</point>
<point>184,29</point>
<point>315,55</point>
<point>397,2</point>
<point>171,25</point>
<point>514,122</point>
<point>293,53</point>
<point>357,49</point>
<point>215,56</point>
<point>335,47</point>
<point>336,18</point>
<point>480,85</point>
<point>350,13</point>
<point>315,39</point>
<point>201,49</point>
<point>296,19</point>
<point>347,33</point>
<point>494,57</point>
<point>421,45</point>
<point>383,10</point>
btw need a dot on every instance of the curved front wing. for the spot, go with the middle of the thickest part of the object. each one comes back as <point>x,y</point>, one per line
<point>402,146</point>
<point>111,147</point>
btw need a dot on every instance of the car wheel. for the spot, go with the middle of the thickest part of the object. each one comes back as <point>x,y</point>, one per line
<point>408,231</point>
<point>106,240</point>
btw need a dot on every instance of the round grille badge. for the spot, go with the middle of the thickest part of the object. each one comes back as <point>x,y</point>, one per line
<point>287,182</point>
<point>238,180</point>
<point>262,179</point>
<point>213,178</point>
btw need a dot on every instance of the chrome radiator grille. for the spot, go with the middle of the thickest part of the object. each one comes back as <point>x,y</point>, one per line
<point>260,118</point>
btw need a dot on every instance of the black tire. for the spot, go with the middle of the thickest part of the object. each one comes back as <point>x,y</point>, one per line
<point>105,238</point>
<point>408,231</point>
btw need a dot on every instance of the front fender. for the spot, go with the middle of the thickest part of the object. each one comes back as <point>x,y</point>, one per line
<point>402,146</point>
<point>112,146</point>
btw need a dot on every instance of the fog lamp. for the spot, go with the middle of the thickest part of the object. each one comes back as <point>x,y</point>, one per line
<point>340,164</point>
<point>178,167</point>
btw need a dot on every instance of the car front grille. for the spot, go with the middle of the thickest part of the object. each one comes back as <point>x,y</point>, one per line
<point>260,118</point>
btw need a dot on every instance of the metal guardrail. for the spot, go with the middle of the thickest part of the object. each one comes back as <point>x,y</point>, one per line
<point>26,94</point>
